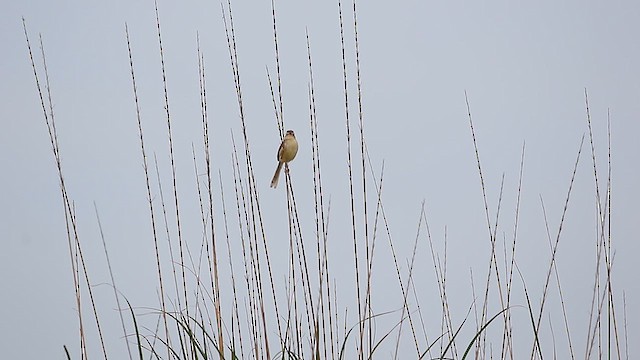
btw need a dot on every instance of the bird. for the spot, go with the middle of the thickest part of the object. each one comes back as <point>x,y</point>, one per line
<point>286,152</point>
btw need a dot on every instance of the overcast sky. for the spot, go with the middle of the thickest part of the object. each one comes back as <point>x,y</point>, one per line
<point>524,66</point>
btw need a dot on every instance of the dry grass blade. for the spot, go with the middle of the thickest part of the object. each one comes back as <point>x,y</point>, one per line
<point>555,246</point>
<point>149,195</point>
<point>558,283</point>
<point>507,345</point>
<point>367,244</point>
<point>165,220</point>
<point>277,55</point>
<point>173,166</point>
<point>405,304</point>
<point>351,187</point>
<point>75,250</point>
<point>113,280</point>
<point>236,333</point>
<point>324,293</point>
<point>493,262</point>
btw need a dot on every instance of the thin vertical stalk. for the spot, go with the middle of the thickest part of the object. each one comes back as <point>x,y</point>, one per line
<point>351,191</point>
<point>149,196</point>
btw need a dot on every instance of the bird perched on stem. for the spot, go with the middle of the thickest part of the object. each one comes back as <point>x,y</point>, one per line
<point>286,152</point>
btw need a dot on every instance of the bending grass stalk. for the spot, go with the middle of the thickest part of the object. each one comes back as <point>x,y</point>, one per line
<point>183,322</point>
<point>466,352</point>
<point>348,333</point>
<point>136,329</point>
<point>75,249</point>
<point>452,339</point>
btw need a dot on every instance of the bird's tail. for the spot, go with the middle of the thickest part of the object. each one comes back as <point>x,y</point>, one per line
<point>276,176</point>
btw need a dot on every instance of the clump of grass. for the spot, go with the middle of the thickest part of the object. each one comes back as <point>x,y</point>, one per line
<point>304,317</point>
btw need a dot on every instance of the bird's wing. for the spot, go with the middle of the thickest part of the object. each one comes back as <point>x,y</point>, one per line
<point>280,150</point>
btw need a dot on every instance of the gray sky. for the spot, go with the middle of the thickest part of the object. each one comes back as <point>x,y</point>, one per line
<point>524,67</point>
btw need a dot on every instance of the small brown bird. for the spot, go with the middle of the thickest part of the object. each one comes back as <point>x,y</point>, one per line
<point>287,152</point>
